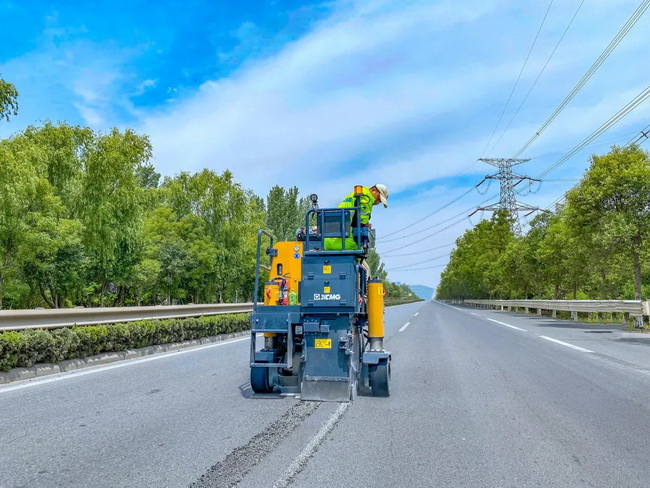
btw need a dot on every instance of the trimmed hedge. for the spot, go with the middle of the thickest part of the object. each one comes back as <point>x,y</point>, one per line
<point>26,348</point>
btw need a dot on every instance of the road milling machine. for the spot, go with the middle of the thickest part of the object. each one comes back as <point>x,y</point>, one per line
<point>320,331</point>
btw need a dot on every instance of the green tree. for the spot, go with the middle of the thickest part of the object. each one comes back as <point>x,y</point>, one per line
<point>25,195</point>
<point>473,270</point>
<point>8,100</point>
<point>612,203</point>
<point>376,266</point>
<point>285,212</point>
<point>111,205</point>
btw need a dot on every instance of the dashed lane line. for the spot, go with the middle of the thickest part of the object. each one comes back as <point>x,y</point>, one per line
<point>507,325</point>
<point>566,344</point>
<point>403,328</point>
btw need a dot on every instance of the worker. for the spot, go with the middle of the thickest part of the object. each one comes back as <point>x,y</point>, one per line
<point>371,196</point>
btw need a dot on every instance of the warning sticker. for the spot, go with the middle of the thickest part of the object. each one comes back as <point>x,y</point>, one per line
<point>326,289</point>
<point>327,269</point>
<point>323,344</point>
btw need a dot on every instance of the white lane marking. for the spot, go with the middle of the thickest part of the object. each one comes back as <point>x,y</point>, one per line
<point>416,314</point>
<point>403,328</point>
<point>122,364</point>
<point>473,313</point>
<point>310,449</point>
<point>507,325</point>
<point>450,306</point>
<point>577,348</point>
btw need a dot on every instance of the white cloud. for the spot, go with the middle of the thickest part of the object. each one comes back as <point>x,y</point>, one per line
<point>399,92</point>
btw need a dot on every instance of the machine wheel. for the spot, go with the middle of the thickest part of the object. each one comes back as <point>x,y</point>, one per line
<point>260,380</point>
<point>380,379</point>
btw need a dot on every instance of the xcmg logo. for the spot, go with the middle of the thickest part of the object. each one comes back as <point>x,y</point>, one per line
<point>327,296</point>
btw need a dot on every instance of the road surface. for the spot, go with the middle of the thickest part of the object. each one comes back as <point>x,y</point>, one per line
<point>479,398</point>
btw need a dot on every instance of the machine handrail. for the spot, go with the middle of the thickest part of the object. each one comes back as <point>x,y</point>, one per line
<point>320,214</point>
<point>261,233</point>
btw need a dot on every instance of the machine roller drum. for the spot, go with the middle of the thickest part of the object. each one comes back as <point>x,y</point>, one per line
<point>380,379</point>
<point>260,380</point>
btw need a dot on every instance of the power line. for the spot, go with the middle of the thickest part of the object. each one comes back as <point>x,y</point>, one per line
<point>418,269</point>
<point>425,261</point>
<point>603,56</point>
<point>518,77</point>
<point>419,252</point>
<point>609,141</point>
<point>539,76</point>
<point>419,231</point>
<point>635,102</point>
<point>383,239</point>
<point>428,236</point>
<point>638,140</point>
<point>641,137</point>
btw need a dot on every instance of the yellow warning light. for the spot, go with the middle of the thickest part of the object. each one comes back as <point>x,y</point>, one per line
<point>358,189</point>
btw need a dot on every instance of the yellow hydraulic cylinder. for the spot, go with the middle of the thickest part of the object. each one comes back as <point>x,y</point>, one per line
<point>376,315</point>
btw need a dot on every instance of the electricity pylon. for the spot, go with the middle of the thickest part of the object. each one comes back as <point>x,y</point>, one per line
<point>508,180</point>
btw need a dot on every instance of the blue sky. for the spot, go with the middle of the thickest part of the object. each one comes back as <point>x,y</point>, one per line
<point>325,95</point>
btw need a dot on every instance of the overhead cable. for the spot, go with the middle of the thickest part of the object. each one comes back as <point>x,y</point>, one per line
<point>417,269</point>
<point>641,137</point>
<point>518,78</point>
<point>425,261</point>
<point>429,235</point>
<point>635,102</point>
<point>603,56</point>
<point>538,77</point>
<point>419,231</point>
<point>418,252</point>
<point>429,215</point>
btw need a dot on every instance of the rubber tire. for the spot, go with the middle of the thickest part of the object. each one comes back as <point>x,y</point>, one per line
<point>380,379</point>
<point>260,380</point>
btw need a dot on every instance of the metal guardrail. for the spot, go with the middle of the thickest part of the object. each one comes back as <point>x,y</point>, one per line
<point>636,308</point>
<point>67,317</point>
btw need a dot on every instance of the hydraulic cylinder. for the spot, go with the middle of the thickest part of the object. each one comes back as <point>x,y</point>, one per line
<point>376,315</point>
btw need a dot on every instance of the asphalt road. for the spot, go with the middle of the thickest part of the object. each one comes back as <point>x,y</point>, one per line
<point>479,398</point>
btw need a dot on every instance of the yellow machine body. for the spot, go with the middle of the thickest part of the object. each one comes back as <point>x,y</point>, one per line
<point>271,293</point>
<point>287,264</point>
<point>375,309</point>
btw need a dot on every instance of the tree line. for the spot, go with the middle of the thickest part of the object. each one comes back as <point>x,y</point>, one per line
<point>595,245</point>
<point>85,220</point>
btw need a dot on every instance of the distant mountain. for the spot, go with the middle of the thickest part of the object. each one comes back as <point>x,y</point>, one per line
<point>424,292</point>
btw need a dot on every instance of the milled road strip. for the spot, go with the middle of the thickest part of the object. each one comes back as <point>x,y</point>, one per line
<point>99,369</point>
<point>566,344</point>
<point>403,327</point>
<point>507,325</point>
<point>240,461</point>
<point>310,449</point>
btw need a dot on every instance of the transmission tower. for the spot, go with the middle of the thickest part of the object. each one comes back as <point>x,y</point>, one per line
<point>508,180</point>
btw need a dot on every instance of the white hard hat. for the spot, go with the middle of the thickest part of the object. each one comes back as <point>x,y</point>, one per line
<point>383,193</point>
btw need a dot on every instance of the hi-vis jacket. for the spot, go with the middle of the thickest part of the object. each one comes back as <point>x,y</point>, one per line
<point>366,202</point>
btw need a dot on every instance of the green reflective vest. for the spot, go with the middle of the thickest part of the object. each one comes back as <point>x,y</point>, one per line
<point>366,203</point>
